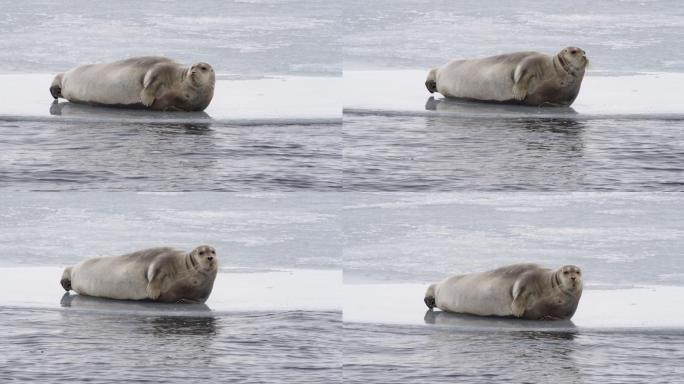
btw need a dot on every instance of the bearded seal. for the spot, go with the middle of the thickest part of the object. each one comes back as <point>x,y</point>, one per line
<point>159,274</point>
<point>525,291</point>
<point>527,78</point>
<point>150,82</point>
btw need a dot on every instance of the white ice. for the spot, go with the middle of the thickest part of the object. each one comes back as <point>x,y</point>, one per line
<point>234,290</point>
<point>601,95</point>
<point>638,307</point>
<point>236,100</point>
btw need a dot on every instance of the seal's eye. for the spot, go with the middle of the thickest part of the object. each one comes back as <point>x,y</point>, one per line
<point>202,253</point>
<point>565,272</point>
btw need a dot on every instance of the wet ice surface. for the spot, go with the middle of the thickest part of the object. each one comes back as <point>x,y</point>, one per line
<point>247,37</point>
<point>618,239</point>
<point>257,231</point>
<point>70,345</point>
<point>617,35</point>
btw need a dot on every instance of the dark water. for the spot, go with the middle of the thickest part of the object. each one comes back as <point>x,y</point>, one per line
<point>618,35</point>
<point>445,353</point>
<point>42,345</point>
<point>435,153</point>
<point>116,156</point>
<point>254,37</point>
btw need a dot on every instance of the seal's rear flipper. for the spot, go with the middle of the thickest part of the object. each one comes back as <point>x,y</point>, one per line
<point>431,81</point>
<point>430,297</point>
<point>66,279</point>
<point>56,87</point>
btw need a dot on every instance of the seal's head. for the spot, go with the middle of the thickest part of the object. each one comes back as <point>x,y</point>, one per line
<point>204,258</point>
<point>202,75</point>
<point>569,278</point>
<point>574,60</point>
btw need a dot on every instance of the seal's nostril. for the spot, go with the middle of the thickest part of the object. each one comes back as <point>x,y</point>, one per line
<point>211,258</point>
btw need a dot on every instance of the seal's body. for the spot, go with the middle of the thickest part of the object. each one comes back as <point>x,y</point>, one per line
<point>527,78</point>
<point>161,274</point>
<point>141,82</point>
<point>521,290</point>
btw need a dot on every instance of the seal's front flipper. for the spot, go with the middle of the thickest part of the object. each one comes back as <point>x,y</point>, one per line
<point>521,82</point>
<point>153,290</point>
<point>147,97</point>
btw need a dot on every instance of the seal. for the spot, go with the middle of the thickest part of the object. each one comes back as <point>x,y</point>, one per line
<point>526,78</point>
<point>521,290</point>
<point>159,274</point>
<point>150,82</point>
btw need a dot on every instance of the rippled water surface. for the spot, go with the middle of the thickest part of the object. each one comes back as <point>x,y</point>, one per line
<point>438,353</point>
<point>76,346</point>
<point>114,156</point>
<point>432,153</point>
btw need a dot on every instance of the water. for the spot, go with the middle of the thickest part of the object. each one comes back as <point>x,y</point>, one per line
<point>440,153</point>
<point>619,239</point>
<point>243,37</point>
<point>401,354</point>
<point>71,345</point>
<point>119,156</point>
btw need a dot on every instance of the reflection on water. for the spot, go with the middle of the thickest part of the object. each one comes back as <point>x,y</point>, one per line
<point>195,155</point>
<point>102,113</point>
<point>115,343</point>
<point>452,353</point>
<point>385,152</point>
<point>456,106</point>
<point>180,325</point>
<point>70,300</point>
<point>465,321</point>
